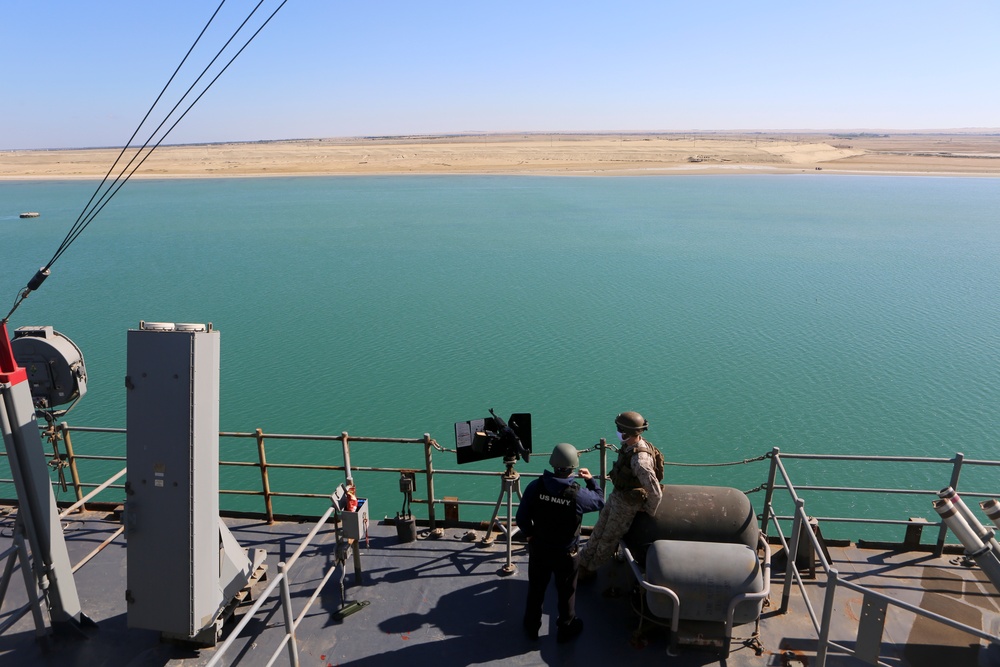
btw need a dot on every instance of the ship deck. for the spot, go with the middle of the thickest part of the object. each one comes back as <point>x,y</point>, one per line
<point>444,600</point>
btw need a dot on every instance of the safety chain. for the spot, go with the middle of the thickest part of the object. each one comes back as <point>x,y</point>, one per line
<point>614,448</point>
<point>597,447</point>
<point>963,561</point>
<point>435,445</point>
<point>712,465</point>
<point>762,457</point>
<point>592,448</point>
<point>752,642</point>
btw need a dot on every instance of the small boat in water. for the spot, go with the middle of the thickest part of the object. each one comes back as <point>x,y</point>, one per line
<point>30,214</point>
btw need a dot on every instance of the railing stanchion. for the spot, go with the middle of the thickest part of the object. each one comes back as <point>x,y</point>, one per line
<point>345,441</point>
<point>827,620</point>
<point>429,464</point>
<point>769,491</point>
<point>956,472</point>
<point>265,482</point>
<point>286,606</point>
<point>793,553</point>
<point>603,446</point>
<point>71,458</point>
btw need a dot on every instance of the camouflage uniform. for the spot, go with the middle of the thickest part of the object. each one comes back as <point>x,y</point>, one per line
<point>642,494</point>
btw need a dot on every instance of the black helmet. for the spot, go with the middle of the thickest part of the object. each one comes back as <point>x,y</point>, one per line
<point>631,422</point>
<point>564,456</point>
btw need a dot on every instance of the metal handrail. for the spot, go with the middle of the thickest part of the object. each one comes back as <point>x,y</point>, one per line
<point>281,580</point>
<point>779,480</point>
<point>265,491</point>
<point>822,622</point>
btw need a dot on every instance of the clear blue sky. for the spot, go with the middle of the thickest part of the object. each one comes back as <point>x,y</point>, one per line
<point>83,73</point>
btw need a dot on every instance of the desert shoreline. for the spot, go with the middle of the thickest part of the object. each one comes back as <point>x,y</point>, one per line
<point>624,154</point>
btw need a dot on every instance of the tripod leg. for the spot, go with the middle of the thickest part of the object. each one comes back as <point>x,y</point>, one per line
<point>509,567</point>
<point>488,538</point>
<point>509,484</point>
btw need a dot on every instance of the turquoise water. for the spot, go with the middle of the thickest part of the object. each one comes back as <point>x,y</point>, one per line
<point>816,313</point>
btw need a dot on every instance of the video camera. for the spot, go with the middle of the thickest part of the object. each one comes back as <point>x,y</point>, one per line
<point>492,437</point>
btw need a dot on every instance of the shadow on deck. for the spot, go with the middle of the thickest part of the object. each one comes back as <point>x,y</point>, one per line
<point>443,601</point>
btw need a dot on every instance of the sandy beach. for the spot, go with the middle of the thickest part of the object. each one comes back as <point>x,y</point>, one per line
<point>959,153</point>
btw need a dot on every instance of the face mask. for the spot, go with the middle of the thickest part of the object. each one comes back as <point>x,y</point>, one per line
<point>621,437</point>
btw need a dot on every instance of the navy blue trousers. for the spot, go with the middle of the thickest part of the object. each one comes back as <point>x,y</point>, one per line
<point>545,563</point>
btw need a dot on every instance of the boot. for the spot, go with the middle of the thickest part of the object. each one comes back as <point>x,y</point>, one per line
<point>531,629</point>
<point>569,631</point>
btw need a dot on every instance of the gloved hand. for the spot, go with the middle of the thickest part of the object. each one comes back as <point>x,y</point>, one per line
<point>636,495</point>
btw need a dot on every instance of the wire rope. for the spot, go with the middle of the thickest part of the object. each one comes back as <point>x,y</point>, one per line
<point>93,208</point>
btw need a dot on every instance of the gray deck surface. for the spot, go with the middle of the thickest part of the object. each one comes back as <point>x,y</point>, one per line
<point>440,601</point>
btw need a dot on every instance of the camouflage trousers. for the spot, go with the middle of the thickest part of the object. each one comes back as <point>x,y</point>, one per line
<point>611,526</point>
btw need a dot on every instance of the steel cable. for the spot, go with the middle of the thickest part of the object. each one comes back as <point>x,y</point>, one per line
<point>93,208</point>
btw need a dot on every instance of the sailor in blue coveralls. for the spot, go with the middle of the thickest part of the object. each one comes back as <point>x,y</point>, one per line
<point>550,514</point>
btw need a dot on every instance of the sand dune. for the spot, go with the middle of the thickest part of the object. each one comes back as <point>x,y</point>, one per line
<point>606,154</point>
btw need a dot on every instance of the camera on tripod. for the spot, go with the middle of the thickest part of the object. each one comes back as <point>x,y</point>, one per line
<point>492,437</point>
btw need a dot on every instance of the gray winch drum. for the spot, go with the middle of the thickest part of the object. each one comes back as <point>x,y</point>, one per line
<point>698,514</point>
<point>706,576</point>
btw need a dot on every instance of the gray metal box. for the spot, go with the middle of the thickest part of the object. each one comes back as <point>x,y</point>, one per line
<point>355,522</point>
<point>172,495</point>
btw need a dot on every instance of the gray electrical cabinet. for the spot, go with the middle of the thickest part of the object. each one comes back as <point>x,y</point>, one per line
<point>172,495</point>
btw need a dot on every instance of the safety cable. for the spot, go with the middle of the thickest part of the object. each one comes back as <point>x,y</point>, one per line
<point>136,166</point>
<point>727,463</point>
<point>92,209</point>
<point>76,225</point>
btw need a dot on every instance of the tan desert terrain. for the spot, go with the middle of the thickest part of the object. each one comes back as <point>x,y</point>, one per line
<point>960,153</point>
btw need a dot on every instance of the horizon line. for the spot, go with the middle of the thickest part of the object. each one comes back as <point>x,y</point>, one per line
<point>835,132</point>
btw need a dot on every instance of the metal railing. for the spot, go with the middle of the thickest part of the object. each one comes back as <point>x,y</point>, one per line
<point>778,482</point>
<point>70,460</point>
<point>868,645</point>
<point>18,550</point>
<point>282,582</point>
<point>956,465</point>
<point>63,433</point>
